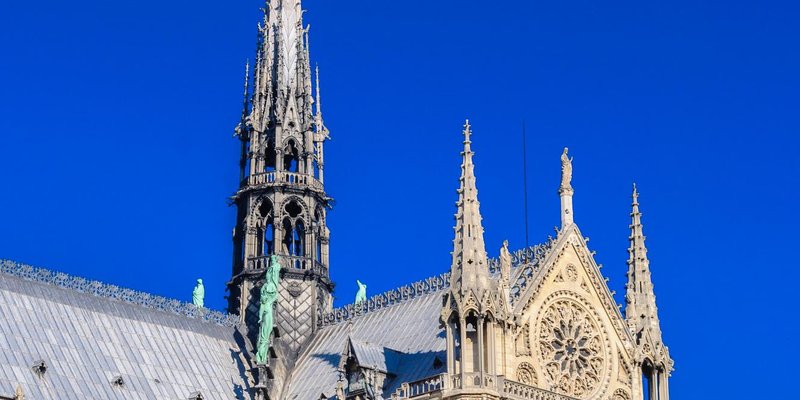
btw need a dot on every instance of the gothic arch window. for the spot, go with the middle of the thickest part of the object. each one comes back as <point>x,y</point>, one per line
<point>294,231</point>
<point>291,157</point>
<point>316,228</point>
<point>269,156</point>
<point>266,231</point>
<point>650,380</point>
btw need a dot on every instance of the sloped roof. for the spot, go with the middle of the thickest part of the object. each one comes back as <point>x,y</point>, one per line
<point>379,358</point>
<point>410,327</point>
<point>88,340</point>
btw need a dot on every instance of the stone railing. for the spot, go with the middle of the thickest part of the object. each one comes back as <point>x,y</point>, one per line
<point>530,261</point>
<point>421,387</point>
<point>506,388</point>
<point>518,391</point>
<point>276,178</point>
<point>383,300</point>
<point>117,293</point>
<point>525,262</point>
<point>528,255</point>
<point>474,380</point>
<point>261,263</point>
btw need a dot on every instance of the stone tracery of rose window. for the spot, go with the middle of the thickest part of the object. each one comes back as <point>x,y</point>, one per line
<point>571,349</point>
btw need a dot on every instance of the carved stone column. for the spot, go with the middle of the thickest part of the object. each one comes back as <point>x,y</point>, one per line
<point>481,348</point>
<point>462,329</point>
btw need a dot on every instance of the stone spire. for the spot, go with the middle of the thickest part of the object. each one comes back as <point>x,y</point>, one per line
<point>469,269</point>
<point>652,356</point>
<point>282,75</point>
<point>640,311</point>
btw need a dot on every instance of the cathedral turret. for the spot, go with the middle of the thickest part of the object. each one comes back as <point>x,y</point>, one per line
<point>475,308</point>
<point>281,201</point>
<point>641,313</point>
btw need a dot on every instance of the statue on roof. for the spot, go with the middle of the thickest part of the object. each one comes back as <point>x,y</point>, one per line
<point>505,262</point>
<point>198,294</point>
<point>566,170</point>
<point>361,295</point>
<point>269,294</point>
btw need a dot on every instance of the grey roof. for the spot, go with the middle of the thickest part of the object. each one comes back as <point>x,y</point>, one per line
<point>87,340</point>
<point>409,330</point>
<point>376,357</point>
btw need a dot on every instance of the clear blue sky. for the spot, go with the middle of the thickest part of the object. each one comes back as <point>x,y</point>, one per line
<point>117,154</point>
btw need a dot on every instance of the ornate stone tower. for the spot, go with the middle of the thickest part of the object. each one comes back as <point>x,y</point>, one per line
<point>651,355</point>
<point>281,201</point>
<point>475,309</point>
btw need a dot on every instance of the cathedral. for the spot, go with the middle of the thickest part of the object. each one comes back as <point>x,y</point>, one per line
<point>537,323</point>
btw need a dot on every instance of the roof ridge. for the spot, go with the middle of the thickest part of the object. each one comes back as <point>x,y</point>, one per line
<point>529,255</point>
<point>391,297</point>
<point>114,292</point>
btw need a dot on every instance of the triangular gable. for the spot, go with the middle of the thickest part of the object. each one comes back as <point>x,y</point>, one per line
<point>572,239</point>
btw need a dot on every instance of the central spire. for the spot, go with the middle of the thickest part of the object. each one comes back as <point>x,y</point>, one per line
<point>469,268</point>
<point>282,92</point>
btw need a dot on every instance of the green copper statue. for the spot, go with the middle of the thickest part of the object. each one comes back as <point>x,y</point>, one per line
<point>198,294</point>
<point>269,293</point>
<point>361,295</point>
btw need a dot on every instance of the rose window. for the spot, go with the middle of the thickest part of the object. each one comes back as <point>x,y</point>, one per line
<point>571,349</point>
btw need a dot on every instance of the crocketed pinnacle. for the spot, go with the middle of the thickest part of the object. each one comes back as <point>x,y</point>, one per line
<point>640,311</point>
<point>469,268</point>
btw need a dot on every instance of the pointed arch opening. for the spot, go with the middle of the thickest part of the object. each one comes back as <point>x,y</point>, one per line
<point>291,157</point>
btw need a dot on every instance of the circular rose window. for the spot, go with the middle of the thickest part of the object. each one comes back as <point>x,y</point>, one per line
<point>571,349</point>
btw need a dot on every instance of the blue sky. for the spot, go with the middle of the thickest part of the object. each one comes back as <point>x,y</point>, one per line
<point>117,154</point>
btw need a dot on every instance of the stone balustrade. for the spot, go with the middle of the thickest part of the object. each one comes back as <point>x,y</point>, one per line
<point>506,388</point>
<point>277,178</point>
<point>289,262</point>
<point>518,391</point>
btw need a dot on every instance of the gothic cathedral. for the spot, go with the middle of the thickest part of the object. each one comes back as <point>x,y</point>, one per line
<point>537,323</point>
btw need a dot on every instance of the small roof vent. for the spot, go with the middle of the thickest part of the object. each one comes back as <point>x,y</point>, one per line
<point>39,367</point>
<point>117,381</point>
<point>197,396</point>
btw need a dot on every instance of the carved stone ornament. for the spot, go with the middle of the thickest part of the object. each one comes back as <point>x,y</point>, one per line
<point>571,348</point>
<point>295,289</point>
<point>526,374</point>
<point>572,273</point>
<point>620,394</point>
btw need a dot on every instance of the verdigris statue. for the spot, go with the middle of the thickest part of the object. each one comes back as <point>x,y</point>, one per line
<point>361,295</point>
<point>269,293</point>
<point>198,294</point>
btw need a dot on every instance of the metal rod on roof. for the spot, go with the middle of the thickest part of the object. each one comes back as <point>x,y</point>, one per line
<point>525,182</point>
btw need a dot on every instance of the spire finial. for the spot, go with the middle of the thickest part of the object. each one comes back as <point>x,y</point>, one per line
<point>467,131</point>
<point>635,194</point>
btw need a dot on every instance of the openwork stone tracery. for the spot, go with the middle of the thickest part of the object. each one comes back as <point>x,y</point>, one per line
<point>571,348</point>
